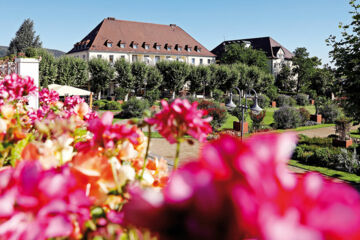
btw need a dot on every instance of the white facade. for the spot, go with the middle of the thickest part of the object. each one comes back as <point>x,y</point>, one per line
<point>276,64</point>
<point>149,58</point>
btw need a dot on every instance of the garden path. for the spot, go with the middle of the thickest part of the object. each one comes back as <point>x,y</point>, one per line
<point>322,132</point>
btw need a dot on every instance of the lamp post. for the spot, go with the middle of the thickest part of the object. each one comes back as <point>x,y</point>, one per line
<point>255,108</point>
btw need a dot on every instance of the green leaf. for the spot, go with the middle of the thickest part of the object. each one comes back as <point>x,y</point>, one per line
<point>18,148</point>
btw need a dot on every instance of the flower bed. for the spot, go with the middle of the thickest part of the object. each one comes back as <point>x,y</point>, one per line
<point>67,173</point>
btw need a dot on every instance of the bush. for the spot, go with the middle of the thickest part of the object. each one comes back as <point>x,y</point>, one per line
<point>218,95</point>
<point>287,117</point>
<point>264,101</point>
<point>100,104</point>
<point>284,100</point>
<point>272,93</point>
<point>112,105</point>
<point>305,115</point>
<point>152,96</point>
<point>217,112</point>
<point>302,99</point>
<point>134,108</point>
<point>329,112</point>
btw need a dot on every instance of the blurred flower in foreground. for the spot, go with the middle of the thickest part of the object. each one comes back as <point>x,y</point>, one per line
<point>242,190</point>
<point>40,204</point>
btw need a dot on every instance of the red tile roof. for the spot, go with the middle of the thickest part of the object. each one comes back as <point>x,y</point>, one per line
<point>129,32</point>
<point>266,44</point>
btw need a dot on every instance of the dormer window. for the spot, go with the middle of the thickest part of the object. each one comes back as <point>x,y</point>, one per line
<point>197,49</point>
<point>135,45</point>
<point>146,46</point>
<point>122,45</point>
<point>189,49</point>
<point>178,47</point>
<point>109,43</point>
<point>168,47</point>
<point>158,47</point>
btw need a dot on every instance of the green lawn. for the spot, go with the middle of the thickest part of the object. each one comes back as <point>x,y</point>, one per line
<point>349,177</point>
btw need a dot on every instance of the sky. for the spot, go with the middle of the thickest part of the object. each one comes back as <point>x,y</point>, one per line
<point>293,23</point>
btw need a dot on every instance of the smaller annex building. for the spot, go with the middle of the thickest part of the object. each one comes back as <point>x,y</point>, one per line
<point>113,39</point>
<point>276,53</point>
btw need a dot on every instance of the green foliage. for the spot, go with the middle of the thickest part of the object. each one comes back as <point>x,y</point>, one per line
<point>24,38</point>
<point>174,74</point>
<point>304,115</point>
<point>199,78</point>
<point>342,127</point>
<point>48,67</point>
<point>112,105</point>
<point>71,71</point>
<point>100,104</point>
<point>272,92</point>
<point>346,57</point>
<point>226,77</point>
<point>322,81</point>
<point>152,96</point>
<point>285,79</point>
<point>101,74</point>
<point>217,112</point>
<point>139,72</point>
<point>285,100</point>
<point>237,112</point>
<point>287,117</point>
<point>238,53</point>
<point>134,108</point>
<point>329,112</point>
<point>218,95</point>
<point>263,101</point>
<point>154,78</point>
<point>120,93</point>
<point>257,120</point>
<point>124,77</point>
<point>30,52</point>
<point>302,99</point>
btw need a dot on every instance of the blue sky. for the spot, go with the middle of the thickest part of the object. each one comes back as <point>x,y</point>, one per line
<point>293,23</point>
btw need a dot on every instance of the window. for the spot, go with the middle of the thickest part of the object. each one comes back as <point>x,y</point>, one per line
<point>169,48</point>
<point>134,58</point>
<point>147,46</point>
<point>158,47</point>
<point>209,61</point>
<point>122,45</point>
<point>109,44</point>
<point>189,49</point>
<point>193,61</point>
<point>123,57</point>
<point>111,58</point>
<point>201,61</point>
<point>168,57</point>
<point>179,49</point>
<point>135,46</point>
<point>147,59</point>
<point>157,59</point>
<point>99,56</point>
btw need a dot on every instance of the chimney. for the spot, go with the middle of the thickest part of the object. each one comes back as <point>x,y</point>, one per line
<point>173,25</point>
<point>111,18</point>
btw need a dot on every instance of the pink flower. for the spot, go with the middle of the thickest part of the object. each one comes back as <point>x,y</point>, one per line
<point>40,204</point>
<point>243,189</point>
<point>106,135</point>
<point>180,118</point>
<point>14,87</point>
<point>72,101</point>
<point>48,97</point>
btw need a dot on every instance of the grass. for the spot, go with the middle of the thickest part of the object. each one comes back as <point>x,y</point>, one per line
<point>355,134</point>
<point>349,177</point>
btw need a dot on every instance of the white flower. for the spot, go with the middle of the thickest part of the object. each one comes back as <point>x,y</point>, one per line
<point>126,173</point>
<point>147,179</point>
<point>3,126</point>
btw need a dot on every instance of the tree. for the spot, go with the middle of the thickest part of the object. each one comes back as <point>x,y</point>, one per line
<point>72,71</point>
<point>346,57</point>
<point>24,38</point>
<point>322,82</point>
<point>239,53</point>
<point>47,67</point>
<point>304,68</point>
<point>154,78</point>
<point>198,78</point>
<point>139,71</point>
<point>101,74</point>
<point>174,74</point>
<point>285,80</point>
<point>124,77</point>
<point>226,77</point>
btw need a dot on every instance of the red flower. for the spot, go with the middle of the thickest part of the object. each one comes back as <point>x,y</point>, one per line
<point>180,118</point>
<point>48,97</point>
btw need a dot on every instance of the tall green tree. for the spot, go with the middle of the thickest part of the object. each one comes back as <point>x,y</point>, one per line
<point>285,80</point>
<point>239,53</point>
<point>304,67</point>
<point>154,78</point>
<point>124,77</point>
<point>72,71</point>
<point>346,57</point>
<point>322,81</point>
<point>47,67</point>
<point>198,78</point>
<point>24,38</point>
<point>174,74</point>
<point>101,75</point>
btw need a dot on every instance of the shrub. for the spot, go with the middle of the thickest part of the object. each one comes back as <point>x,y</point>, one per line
<point>272,93</point>
<point>152,96</point>
<point>237,112</point>
<point>99,103</point>
<point>305,115</point>
<point>302,99</point>
<point>330,112</point>
<point>264,101</point>
<point>134,108</point>
<point>112,105</point>
<point>285,100</point>
<point>218,95</point>
<point>287,117</point>
<point>217,112</point>
<point>343,126</point>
